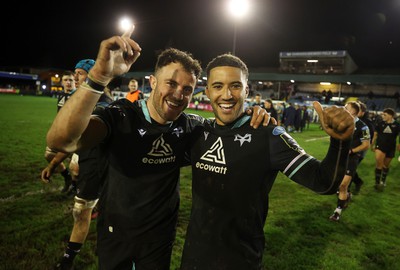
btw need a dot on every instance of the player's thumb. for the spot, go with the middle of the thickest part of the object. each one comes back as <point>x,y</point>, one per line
<point>318,108</point>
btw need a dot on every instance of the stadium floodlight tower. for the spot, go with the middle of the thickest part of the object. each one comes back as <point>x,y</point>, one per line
<point>238,9</point>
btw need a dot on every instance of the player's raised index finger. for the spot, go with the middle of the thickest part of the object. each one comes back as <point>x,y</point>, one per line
<point>128,32</point>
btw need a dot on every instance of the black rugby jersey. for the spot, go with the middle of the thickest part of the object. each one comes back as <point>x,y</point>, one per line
<point>387,134</point>
<point>361,133</point>
<point>92,163</point>
<point>140,198</point>
<point>62,98</point>
<point>234,168</point>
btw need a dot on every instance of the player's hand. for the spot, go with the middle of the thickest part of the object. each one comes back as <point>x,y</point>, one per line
<point>115,57</point>
<point>259,115</point>
<point>46,174</point>
<point>336,121</point>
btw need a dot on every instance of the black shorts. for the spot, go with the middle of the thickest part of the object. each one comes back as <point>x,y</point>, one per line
<point>389,150</point>
<point>117,254</point>
<point>352,163</point>
<point>91,175</point>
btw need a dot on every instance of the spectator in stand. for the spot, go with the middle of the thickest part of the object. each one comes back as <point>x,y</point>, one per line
<point>134,92</point>
<point>370,94</point>
<point>328,96</point>
<point>269,106</point>
<point>384,146</point>
<point>305,119</point>
<point>297,118</point>
<point>310,113</point>
<point>289,117</point>
<point>280,108</point>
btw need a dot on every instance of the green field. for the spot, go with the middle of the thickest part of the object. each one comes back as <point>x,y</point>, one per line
<point>36,219</point>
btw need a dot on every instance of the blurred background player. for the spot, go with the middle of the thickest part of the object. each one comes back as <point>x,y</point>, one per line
<point>359,144</point>
<point>134,93</point>
<point>69,86</point>
<point>384,145</point>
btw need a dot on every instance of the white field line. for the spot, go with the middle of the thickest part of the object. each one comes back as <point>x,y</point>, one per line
<point>316,139</point>
<point>13,198</point>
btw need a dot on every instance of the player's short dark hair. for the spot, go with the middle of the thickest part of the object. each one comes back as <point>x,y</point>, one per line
<point>229,60</point>
<point>68,73</point>
<point>390,111</point>
<point>269,101</point>
<point>172,55</point>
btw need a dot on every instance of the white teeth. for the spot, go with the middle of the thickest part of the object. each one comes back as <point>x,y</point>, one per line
<point>226,106</point>
<point>172,104</point>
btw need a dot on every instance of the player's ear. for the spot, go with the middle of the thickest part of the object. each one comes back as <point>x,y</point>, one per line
<point>247,90</point>
<point>153,82</point>
<point>207,92</point>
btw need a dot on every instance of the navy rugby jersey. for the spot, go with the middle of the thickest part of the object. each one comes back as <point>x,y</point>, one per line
<point>234,168</point>
<point>140,198</point>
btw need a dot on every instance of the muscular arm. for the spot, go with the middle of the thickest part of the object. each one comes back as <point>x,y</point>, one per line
<point>362,147</point>
<point>323,177</point>
<point>73,128</point>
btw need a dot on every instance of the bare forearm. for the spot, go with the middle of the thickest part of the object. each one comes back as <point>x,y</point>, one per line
<point>362,147</point>
<point>58,158</point>
<point>71,121</point>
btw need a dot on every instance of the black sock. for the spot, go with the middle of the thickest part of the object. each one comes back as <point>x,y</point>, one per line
<point>65,173</point>
<point>385,172</point>
<point>378,173</point>
<point>341,203</point>
<point>72,250</point>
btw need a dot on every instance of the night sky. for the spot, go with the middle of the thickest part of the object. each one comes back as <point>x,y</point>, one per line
<point>57,34</point>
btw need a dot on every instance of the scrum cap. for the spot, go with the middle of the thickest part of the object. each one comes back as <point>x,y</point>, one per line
<point>85,64</point>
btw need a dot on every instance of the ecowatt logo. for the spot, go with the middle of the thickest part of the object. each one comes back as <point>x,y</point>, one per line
<point>161,151</point>
<point>215,154</point>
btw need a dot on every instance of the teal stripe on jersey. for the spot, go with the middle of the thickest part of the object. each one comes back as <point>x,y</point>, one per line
<point>145,110</point>
<point>293,162</point>
<point>241,121</point>
<point>298,167</point>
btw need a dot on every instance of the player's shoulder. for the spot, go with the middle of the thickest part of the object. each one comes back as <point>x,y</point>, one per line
<point>275,130</point>
<point>194,119</point>
<point>271,130</point>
